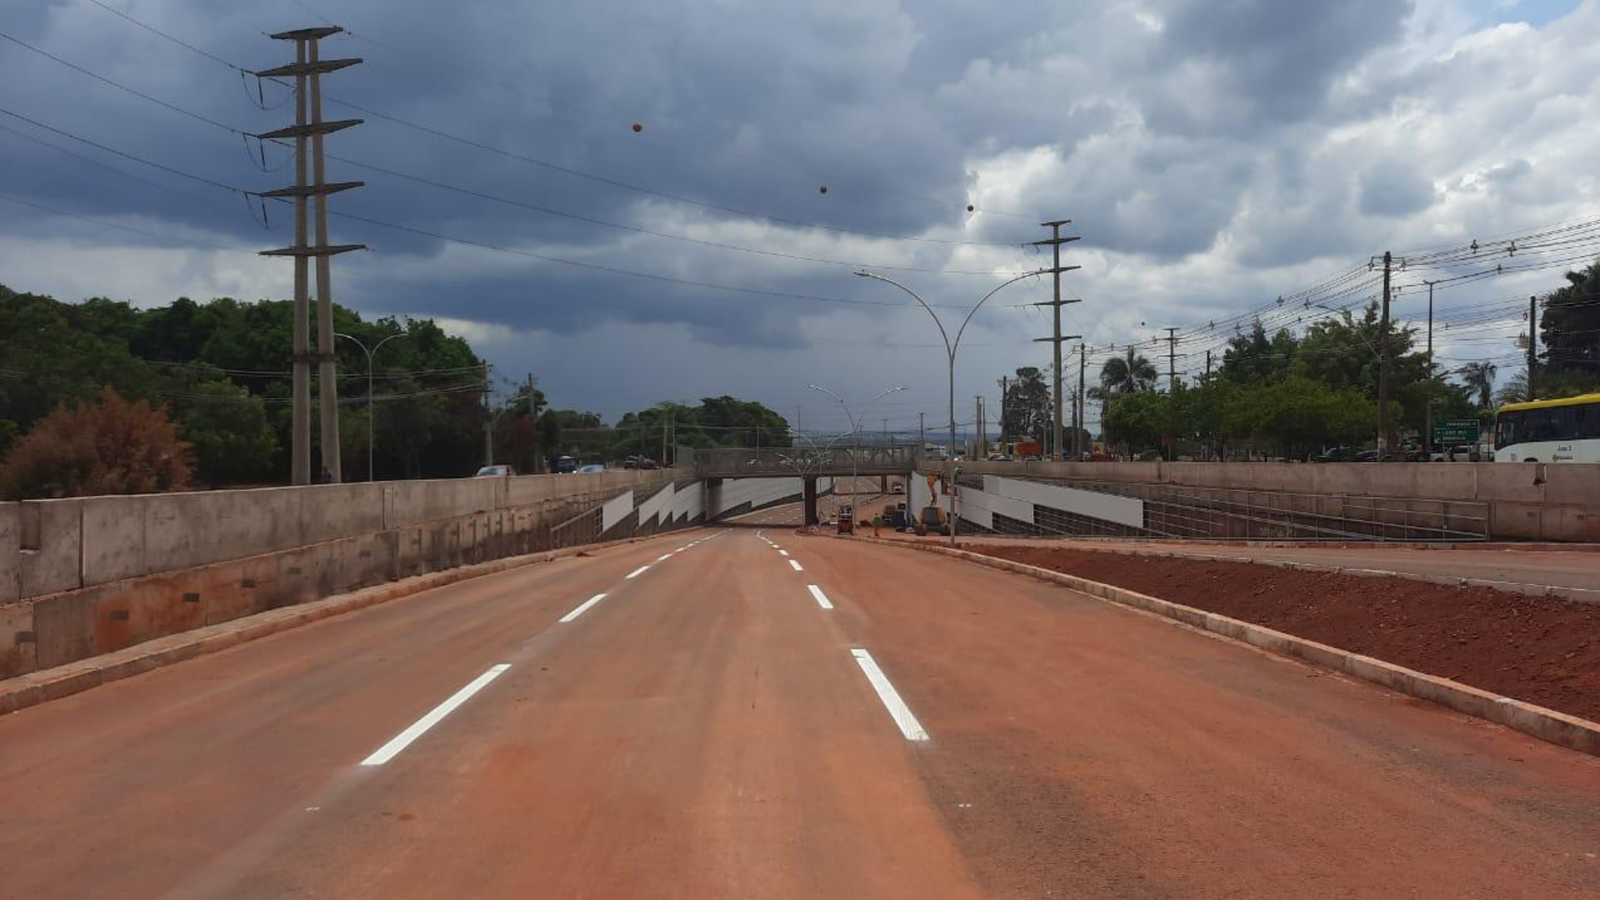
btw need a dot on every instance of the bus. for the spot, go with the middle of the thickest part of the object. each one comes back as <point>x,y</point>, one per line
<point>1549,431</point>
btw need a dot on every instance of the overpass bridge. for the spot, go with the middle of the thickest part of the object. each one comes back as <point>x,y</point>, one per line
<point>807,463</point>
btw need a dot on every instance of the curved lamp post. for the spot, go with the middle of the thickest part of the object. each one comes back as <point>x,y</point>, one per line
<point>855,430</point>
<point>950,351</point>
<point>370,354</point>
<point>950,346</point>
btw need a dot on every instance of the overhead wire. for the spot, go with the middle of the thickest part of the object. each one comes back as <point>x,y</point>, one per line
<point>599,179</point>
<point>534,207</point>
<point>617,270</point>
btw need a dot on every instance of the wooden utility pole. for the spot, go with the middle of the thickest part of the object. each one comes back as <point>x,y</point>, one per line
<point>307,71</point>
<point>1054,243</point>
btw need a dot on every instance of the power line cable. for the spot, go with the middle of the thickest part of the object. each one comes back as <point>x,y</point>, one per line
<point>599,179</point>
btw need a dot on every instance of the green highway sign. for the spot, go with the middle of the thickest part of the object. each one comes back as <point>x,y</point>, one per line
<point>1455,431</point>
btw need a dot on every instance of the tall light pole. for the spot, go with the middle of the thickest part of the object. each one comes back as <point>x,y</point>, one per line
<point>950,346</point>
<point>370,354</point>
<point>855,428</point>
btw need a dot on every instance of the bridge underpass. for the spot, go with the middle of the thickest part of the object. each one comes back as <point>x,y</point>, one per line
<point>814,467</point>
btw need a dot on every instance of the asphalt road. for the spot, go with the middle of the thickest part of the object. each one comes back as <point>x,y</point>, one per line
<point>714,728</point>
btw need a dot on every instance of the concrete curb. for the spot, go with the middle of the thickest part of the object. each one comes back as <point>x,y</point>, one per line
<point>1544,724</point>
<point>63,681</point>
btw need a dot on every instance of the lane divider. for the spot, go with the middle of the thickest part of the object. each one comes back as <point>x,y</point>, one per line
<point>637,572</point>
<point>795,563</point>
<point>420,727</point>
<point>583,607</point>
<point>783,553</point>
<point>898,710</point>
<point>816,592</point>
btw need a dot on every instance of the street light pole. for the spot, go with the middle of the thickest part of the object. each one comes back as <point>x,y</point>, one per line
<point>370,354</point>
<point>950,351</point>
<point>950,346</point>
<point>855,431</point>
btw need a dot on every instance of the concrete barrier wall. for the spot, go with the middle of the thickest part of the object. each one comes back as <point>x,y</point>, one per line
<point>87,576</point>
<point>1527,502</point>
<point>67,544</point>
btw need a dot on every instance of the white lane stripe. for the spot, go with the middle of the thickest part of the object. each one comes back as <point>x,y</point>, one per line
<point>420,727</point>
<point>583,607</point>
<point>664,557</point>
<point>898,710</point>
<point>639,571</point>
<point>821,598</point>
<point>796,564</point>
<point>783,553</point>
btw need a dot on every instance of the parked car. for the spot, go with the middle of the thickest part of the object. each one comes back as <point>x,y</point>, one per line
<point>564,464</point>
<point>496,472</point>
<point>1335,454</point>
<point>591,469</point>
<point>1463,453</point>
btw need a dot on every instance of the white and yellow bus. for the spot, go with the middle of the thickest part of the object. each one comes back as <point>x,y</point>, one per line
<point>1549,431</point>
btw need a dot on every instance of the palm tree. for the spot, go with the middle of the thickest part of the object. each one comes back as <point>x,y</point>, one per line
<point>1515,389</point>
<point>1479,379</point>
<point>1123,374</point>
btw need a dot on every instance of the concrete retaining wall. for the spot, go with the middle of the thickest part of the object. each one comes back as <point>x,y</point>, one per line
<point>88,576</point>
<point>1527,502</point>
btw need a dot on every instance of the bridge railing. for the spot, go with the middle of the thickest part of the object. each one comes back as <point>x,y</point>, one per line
<point>876,459</point>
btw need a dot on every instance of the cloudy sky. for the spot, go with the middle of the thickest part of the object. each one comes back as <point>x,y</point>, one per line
<point>1212,154</point>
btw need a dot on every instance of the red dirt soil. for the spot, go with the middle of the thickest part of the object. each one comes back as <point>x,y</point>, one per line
<point>1535,649</point>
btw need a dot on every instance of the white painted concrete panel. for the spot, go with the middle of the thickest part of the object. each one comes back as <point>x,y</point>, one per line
<point>1106,507</point>
<point>615,510</point>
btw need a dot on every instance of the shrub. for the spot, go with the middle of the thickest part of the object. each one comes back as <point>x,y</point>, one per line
<point>108,447</point>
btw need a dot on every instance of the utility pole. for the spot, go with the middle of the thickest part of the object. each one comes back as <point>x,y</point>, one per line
<point>1383,360</point>
<point>307,71</point>
<point>1005,400</point>
<point>1533,341</point>
<point>1430,325</point>
<point>533,418</point>
<point>1083,367</point>
<point>983,438</point>
<point>1208,362</point>
<point>886,432</point>
<point>1172,359</point>
<point>1054,243</point>
<point>922,434</point>
<point>488,420</point>
<point>1057,428</point>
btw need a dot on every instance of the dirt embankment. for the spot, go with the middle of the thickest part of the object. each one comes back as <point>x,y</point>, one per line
<point>1536,649</point>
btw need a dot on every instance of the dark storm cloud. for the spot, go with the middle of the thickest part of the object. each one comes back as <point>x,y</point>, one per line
<point>1206,149</point>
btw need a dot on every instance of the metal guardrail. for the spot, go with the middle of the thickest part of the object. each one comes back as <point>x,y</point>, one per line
<point>877,459</point>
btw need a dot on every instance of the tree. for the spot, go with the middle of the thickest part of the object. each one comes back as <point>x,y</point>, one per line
<point>1138,419</point>
<point>106,447</point>
<point>1125,374</point>
<point>1515,390</point>
<point>1479,379</point>
<point>1255,357</point>
<point>1570,332</point>
<point>228,429</point>
<point>1025,409</point>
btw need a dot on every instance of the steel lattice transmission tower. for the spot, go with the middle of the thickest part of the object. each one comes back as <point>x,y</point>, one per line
<point>307,71</point>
